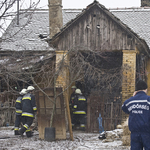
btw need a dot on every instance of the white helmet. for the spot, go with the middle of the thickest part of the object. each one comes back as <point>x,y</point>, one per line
<point>23,92</point>
<point>30,88</point>
<point>73,87</point>
<point>78,91</point>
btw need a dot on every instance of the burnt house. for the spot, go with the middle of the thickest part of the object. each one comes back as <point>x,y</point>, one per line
<point>106,52</point>
<point>110,45</point>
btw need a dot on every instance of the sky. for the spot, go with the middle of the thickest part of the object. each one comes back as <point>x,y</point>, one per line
<point>107,3</point>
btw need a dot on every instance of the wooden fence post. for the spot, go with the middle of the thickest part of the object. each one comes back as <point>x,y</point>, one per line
<point>111,115</point>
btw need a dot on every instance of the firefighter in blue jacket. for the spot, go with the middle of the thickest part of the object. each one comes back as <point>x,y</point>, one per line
<point>19,111</point>
<point>138,108</point>
<point>28,111</point>
<point>79,110</point>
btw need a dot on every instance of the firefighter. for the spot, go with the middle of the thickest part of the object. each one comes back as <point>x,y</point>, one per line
<point>71,100</point>
<point>28,111</point>
<point>79,110</point>
<point>19,111</point>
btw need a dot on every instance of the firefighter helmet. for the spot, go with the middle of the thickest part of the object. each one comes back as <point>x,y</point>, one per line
<point>73,87</point>
<point>78,91</point>
<point>30,88</point>
<point>23,92</point>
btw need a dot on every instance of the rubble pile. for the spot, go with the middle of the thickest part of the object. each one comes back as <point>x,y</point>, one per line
<point>114,135</point>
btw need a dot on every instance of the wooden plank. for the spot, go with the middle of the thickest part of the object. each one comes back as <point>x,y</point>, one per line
<point>45,107</point>
<point>111,114</point>
<point>43,122</point>
<point>148,76</point>
<point>68,114</point>
<point>88,114</point>
<point>110,36</point>
<point>59,124</point>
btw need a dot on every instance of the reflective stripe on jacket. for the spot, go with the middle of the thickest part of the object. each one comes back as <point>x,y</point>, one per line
<point>28,105</point>
<point>79,112</point>
<point>80,104</point>
<point>18,105</point>
<point>27,114</point>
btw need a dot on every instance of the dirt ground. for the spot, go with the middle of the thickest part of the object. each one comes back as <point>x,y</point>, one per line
<point>82,141</point>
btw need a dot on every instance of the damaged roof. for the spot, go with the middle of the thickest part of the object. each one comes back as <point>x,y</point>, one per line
<point>141,39</point>
<point>136,19</point>
<point>32,26</point>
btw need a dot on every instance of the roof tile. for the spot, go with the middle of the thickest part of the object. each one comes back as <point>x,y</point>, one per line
<point>37,23</point>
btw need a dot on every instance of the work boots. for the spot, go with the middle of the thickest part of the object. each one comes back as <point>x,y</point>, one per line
<point>16,132</point>
<point>22,130</point>
<point>29,134</point>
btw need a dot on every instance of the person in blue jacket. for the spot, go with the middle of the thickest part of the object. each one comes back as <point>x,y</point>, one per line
<point>138,108</point>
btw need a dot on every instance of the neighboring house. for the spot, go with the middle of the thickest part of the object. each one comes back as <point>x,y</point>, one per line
<point>137,19</point>
<point>32,24</point>
<point>122,33</point>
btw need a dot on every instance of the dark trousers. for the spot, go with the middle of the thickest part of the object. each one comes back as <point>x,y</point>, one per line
<point>140,141</point>
<point>17,124</point>
<point>26,121</point>
<point>79,119</point>
<point>17,121</point>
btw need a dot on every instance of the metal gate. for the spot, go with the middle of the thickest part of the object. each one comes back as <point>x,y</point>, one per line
<point>110,109</point>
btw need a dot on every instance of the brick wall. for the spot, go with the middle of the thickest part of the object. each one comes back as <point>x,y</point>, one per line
<point>129,72</point>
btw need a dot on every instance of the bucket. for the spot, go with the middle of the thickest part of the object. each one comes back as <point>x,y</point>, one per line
<point>49,134</point>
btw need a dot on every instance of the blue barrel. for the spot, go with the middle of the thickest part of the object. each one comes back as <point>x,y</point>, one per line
<point>49,134</point>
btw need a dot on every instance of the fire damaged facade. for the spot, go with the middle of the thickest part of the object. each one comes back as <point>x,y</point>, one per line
<point>103,52</point>
<point>111,58</point>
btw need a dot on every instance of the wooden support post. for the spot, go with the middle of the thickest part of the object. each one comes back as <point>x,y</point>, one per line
<point>111,115</point>
<point>63,81</point>
<point>148,76</point>
<point>68,115</point>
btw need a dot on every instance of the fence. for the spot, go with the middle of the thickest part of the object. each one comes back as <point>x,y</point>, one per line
<point>110,113</point>
<point>7,111</point>
<point>7,116</point>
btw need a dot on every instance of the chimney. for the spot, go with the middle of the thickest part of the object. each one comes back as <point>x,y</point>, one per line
<point>145,3</point>
<point>55,16</point>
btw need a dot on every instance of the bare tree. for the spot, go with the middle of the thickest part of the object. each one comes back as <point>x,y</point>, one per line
<point>94,69</point>
<point>99,70</point>
<point>87,66</point>
<point>10,8</point>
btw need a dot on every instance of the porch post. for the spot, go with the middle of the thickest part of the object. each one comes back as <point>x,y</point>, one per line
<point>61,59</point>
<point>148,76</point>
<point>129,76</point>
<point>63,81</point>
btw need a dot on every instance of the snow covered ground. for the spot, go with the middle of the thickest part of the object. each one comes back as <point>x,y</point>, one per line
<point>82,141</point>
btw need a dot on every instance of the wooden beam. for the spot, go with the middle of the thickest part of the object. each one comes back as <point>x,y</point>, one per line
<point>63,81</point>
